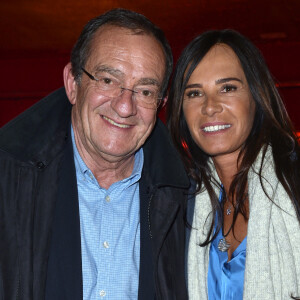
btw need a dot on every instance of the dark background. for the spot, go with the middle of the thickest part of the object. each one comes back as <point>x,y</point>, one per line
<point>37,37</point>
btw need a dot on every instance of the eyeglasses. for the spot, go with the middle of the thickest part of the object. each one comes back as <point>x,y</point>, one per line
<point>109,86</point>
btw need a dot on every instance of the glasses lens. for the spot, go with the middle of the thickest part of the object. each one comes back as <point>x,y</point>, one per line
<point>147,97</point>
<point>108,86</point>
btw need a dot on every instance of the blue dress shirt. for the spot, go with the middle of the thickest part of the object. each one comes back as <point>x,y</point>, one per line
<point>225,279</point>
<point>110,233</point>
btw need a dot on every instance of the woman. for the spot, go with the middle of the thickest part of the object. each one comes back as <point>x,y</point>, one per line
<point>237,142</point>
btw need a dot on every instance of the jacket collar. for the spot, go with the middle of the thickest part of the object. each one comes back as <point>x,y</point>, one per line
<point>162,162</point>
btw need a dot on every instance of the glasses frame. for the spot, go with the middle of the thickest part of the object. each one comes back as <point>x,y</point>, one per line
<point>121,87</point>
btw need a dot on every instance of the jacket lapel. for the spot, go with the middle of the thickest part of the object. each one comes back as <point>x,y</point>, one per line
<point>146,280</point>
<point>64,277</point>
<point>157,214</point>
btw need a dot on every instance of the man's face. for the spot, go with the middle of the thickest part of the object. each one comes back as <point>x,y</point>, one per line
<point>113,128</point>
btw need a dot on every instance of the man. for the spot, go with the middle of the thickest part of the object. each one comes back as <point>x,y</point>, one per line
<point>92,192</point>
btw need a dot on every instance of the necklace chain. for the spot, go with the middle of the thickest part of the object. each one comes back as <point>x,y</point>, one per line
<point>223,245</point>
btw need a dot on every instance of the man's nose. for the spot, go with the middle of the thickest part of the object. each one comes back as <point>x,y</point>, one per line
<point>124,104</point>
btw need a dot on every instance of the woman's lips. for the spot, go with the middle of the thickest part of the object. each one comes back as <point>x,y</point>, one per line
<point>215,128</point>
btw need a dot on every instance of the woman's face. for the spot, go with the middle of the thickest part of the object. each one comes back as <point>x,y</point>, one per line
<point>218,106</point>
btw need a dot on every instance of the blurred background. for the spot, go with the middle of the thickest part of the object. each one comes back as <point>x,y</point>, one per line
<point>38,35</point>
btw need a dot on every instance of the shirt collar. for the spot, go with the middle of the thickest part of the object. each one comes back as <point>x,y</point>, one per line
<point>79,163</point>
<point>81,167</point>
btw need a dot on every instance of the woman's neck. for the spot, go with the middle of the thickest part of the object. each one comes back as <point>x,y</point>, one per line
<point>226,167</point>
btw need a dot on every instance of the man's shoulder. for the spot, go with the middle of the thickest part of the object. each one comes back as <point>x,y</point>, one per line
<point>36,125</point>
<point>36,112</point>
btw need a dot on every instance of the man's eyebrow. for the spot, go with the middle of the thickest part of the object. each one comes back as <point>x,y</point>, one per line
<point>109,70</point>
<point>223,80</point>
<point>148,81</point>
<point>118,73</point>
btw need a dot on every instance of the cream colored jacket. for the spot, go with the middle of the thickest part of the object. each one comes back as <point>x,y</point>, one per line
<point>272,268</point>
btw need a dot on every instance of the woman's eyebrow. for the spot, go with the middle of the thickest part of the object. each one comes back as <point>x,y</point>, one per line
<point>194,85</point>
<point>218,81</point>
<point>223,80</point>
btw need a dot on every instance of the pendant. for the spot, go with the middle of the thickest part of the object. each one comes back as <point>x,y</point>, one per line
<point>223,245</point>
<point>228,211</point>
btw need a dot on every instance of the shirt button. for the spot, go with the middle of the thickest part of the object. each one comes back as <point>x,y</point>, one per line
<point>102,293</point>
<point>106,245</point>
<point>107,199</point>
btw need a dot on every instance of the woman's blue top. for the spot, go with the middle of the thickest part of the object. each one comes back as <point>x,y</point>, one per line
<point>225,279</point>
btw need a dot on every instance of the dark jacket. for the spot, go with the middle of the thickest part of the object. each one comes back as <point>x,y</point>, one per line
<point>39,216</point>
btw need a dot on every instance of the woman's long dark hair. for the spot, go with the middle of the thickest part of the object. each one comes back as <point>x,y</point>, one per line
<point>271,126</point>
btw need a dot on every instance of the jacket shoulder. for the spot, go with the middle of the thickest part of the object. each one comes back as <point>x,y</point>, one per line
<point>24,136</point>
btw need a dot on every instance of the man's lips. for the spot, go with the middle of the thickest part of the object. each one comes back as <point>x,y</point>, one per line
<point>115,123</point>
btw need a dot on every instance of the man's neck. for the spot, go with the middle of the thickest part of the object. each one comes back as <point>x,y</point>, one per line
<point>106,170</point>
<point>107,173</point>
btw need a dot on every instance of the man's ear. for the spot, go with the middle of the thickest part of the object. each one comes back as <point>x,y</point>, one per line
<point>70,83</point>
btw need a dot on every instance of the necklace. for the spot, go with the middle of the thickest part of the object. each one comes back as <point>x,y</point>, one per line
<point>228,210</point>
<point>223,245</point>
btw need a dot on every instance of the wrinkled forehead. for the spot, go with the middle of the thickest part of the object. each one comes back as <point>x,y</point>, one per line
<point>122,37</point>
<point>134,55</point>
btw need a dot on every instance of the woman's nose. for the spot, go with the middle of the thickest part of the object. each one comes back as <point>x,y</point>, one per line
<point>211,105</point>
